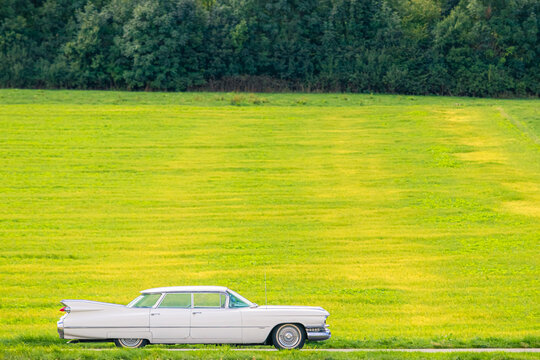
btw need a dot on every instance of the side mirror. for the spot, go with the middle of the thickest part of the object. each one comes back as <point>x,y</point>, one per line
<point>254,306</point>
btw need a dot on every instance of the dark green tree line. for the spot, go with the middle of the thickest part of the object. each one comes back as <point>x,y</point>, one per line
<point>451,47</point>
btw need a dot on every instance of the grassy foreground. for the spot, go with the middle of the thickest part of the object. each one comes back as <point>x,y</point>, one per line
<point>414,220</point>
<point>58,352</point>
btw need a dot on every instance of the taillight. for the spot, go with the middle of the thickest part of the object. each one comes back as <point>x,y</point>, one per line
<point>66,309</point>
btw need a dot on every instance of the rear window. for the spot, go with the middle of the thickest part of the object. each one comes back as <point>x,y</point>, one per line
<point>147,301</point>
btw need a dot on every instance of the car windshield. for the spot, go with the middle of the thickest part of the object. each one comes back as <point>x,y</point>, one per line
<point>237,300</point>
<point>144,301</point>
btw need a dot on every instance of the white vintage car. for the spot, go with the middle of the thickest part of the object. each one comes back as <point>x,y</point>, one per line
<point>192,315</point>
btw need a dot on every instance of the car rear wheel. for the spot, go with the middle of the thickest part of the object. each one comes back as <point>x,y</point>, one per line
<point>130,343</point>
<point>288,336</point>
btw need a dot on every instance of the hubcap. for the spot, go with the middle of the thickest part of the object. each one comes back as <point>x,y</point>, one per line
<point>289,336</point>
<point>130,342</point>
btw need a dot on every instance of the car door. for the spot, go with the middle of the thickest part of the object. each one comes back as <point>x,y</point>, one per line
<point>170,320</point>
<point>212,321</point>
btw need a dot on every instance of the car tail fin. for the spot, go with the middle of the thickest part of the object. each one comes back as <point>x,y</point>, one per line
<point>86,305</point>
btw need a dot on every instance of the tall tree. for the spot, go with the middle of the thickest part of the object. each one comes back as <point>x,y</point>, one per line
<point>17,43</point>
<point>491,47</point>
<point>358,40</point>
<point>164,42</point>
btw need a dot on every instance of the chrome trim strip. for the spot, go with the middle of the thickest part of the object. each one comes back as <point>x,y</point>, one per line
<point>166,327</point>
<point>106,327</point>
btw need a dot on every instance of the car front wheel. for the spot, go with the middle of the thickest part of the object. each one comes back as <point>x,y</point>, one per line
<point>288,336</point>
<point>130,343</point>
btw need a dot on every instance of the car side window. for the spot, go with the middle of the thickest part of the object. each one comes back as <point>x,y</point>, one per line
<point>223,300</point>
<point>147,301</point>
<point>209,300</point>
<point>181,300</point>
<point>235,302</point>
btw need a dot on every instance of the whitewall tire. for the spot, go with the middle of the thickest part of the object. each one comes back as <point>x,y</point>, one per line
<point>289,336</point>
<point>130,343</point>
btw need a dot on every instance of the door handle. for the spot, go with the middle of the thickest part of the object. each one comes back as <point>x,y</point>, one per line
<point>197,312</point>
<point>154,314</point>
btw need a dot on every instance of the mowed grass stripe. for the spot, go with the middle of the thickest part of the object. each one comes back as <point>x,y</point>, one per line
<point>411,223</point>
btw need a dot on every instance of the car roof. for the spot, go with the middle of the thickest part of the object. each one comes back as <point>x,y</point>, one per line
<point>185,289</point>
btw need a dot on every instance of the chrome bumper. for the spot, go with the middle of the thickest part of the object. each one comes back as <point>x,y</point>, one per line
<point>318,334</point>
<point>60,328</point>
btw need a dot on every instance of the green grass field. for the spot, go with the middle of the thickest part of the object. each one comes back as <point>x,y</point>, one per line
<point>415,221</point>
